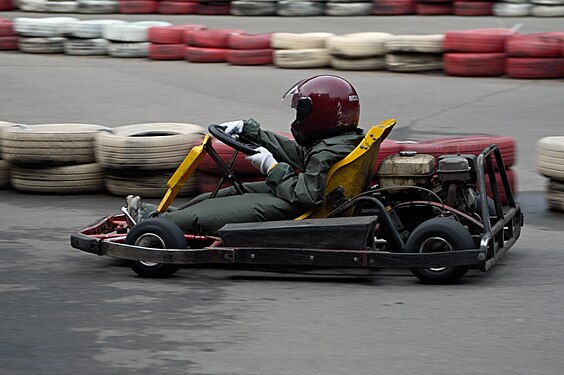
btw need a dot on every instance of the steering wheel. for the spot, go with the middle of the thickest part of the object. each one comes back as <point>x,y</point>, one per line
<point>242,144</point>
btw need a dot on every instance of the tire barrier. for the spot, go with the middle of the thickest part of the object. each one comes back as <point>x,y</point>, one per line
<point>291,8</point>
<point>97,6</point>
<point>6,5</point>
<point>253,8</point>
<point>472,53</point>
<point>472,8</point>
<point>511,9</point>
<point>55,6</point>
<point>147,184</point>
<point>346,9</point>
<point>137,7</point>
<point>550,163</point>
<point>213,8</point>
<point>177,7</point>
<point>4,165</point>
<point>433,8</point>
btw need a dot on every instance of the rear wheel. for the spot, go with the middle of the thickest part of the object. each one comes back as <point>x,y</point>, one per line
<point>158,234</point>
<point>435,236</point>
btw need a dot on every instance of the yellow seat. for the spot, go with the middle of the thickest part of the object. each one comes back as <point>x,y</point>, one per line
<point>352,175</point>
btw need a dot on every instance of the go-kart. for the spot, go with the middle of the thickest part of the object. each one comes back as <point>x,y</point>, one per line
<point>433,217</point>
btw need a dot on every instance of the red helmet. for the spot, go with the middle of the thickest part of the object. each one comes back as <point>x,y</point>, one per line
<point>325,105</point>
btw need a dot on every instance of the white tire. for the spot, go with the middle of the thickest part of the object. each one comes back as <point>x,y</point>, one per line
<point>32,5</point>
<point>61,6</point>
<point>49,143</point>
<point>548,2</point>
<point>43,27</point>
<point>147,184</point>
<point>550,157</point>
<point>130,32</point>
<point>91,29</point>
<point>349,9</point>
<point>358,44</point>
<point>548,11</point>
<point>140,49</point>
<point>86,47</point>
<point>512,10</point>
<point>42,45</point>
<point>73,179</point>
<point>414,62</point>
<point>299,41</point>
<point>253,8</point>
<point>300,8</point>
<point>153,146</point>
<point>416,43</point>
<point>302,58</point>
<point>555,195</point>
<point>364,63</point>
<point>97,6</point>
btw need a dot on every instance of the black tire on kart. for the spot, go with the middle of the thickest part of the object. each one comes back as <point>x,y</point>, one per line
<point>438,235</point>
<point>155,233</point>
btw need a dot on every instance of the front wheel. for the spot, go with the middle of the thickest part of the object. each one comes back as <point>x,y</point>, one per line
<point>157,234</point>
<point>439,235</point>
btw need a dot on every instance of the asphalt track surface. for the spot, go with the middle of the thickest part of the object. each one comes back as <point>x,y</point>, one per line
<point>68,312</point>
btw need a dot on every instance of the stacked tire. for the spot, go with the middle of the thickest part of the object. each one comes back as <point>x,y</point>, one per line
<point>550,164</point>
<point>137,6</point>
<point>535,56</point>
<point>433,7</point>
<point>8,36</point>
<point>139,159</point>
<point>474,145</point>
<point>167,42</point>
<point>512,8</point>
<point>393,7</point>
<point>414,53</point>
<point>249,49</point>
<point>42,35</point>
<point>97,6</point>
<point>208,45</point>
<point>130,39</point>
<point>85,38</point>
<point>358,51</point>
<point>213,7</point>
<point>53,158</point>
<point>548,8</point>
<point>296,51</point>
<point>475,53</point>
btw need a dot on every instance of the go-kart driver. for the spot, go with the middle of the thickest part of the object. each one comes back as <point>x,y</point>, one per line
<point>325,131</point>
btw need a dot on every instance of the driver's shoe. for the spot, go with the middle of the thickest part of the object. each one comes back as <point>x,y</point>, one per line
<point>135,208</point>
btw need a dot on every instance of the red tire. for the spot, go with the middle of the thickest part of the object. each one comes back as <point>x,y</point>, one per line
<point>511,178</point>
<point>137,7</point>
<point>177,7</point>
<point>476,41</point>
<point>474,64</point>
<point>478,8</point>
<point>250,56</point>
<point>7,29</point>
<point>171,34</point>
<point>205,55</point>
<point>466,145</point>
<point>393,7</point>
<point>248,41</point>
<point>535,67</point>
<point>535,45</point>
<point>214,9</point>
<point>167,51</point>
<point>241,166</point>
<point>6,5</point>
<point>8,43</point>
<point>433,9</point>
<point>211,38</point>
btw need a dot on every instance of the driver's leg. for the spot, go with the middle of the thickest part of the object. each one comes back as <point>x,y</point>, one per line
<point>251,187</point>
<point>208,216</point>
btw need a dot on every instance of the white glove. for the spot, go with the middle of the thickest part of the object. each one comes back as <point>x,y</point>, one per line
<point>262,160</point>
<point>233,127</point>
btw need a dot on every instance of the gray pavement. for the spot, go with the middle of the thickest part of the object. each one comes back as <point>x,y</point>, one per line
<point>68,312</point>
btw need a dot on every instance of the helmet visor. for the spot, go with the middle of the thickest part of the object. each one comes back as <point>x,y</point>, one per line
<point>290,97</point>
